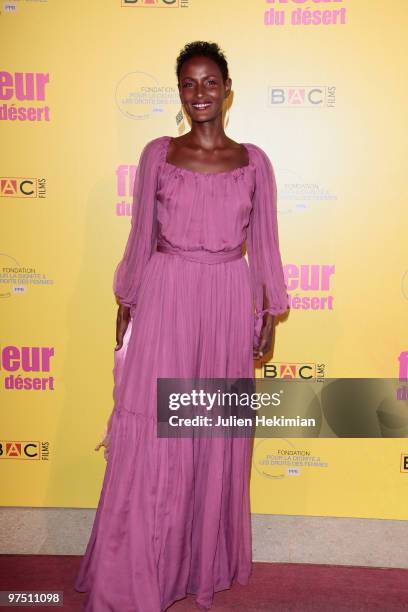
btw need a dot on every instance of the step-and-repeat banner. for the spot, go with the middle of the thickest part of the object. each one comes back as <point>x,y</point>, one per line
<point>321,87</point>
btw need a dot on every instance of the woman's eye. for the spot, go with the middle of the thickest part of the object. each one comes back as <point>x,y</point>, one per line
<point>190,84</point>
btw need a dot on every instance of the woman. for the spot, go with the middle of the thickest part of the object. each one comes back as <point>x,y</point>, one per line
<point>174,515</point>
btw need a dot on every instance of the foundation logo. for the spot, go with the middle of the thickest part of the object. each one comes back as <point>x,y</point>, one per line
<point>302,96</point>
<point>11,7</point>
<point>305,281</point>
<point>27,368</point>
<point>297,194</point>
<point>32,450</point>
<point>305,16</point>
<point>140,96</point>
<point>125,180</point>
<point>22,187</point>
<point>16,278</point>
<point>304,371</point>
<point>29,88</point>
<point>276,459</point>
<point>155,3</point>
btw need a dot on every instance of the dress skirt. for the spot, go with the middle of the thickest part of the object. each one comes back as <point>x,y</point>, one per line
<point>174,515</point>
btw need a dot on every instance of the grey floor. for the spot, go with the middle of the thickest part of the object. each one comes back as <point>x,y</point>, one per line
<point>276,538</point>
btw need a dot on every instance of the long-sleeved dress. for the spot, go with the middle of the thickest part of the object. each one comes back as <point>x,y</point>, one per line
<point>174,513</point>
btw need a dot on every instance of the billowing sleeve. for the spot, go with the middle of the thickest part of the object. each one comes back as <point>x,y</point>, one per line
<point>142,237</point>
<point>264,258</point>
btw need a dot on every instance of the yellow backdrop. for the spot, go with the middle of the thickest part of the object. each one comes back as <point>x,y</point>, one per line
<point>84,85</point>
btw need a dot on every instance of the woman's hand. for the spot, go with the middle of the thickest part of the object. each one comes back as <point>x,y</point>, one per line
<point>104,442</point>
<point>265,343</point>
<point>122,322</point>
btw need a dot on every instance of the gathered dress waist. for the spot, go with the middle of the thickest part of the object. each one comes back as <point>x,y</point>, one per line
<point>202,256</point>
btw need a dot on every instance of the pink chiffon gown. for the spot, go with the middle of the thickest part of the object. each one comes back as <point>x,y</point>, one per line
<point>174,514</point>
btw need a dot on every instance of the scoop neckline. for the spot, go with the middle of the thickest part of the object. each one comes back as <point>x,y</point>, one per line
<point>196,172</point>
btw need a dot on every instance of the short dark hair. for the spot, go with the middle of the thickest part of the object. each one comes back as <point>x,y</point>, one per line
<point>208,49</point>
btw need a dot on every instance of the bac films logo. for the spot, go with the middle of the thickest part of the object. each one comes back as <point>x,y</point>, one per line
<point>22,187</point>
<point>32,450</point>
<point>304,371</point>
<point>302,96</point>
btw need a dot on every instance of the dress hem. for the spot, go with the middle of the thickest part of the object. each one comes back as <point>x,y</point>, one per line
<point>243,582</point>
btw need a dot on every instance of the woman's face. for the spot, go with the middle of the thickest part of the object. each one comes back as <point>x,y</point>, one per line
<point>201,88</point>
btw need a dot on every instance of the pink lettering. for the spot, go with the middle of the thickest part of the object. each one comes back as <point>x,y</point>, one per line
<point>29,359</point>
<point>10,358</point>
<point>17,383</point>
<point>311,303</point>
<point>125,180</point>
<point>312,277</point>
<point>299,1</point>
<point>403,365</point>
<point>23,86</point>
